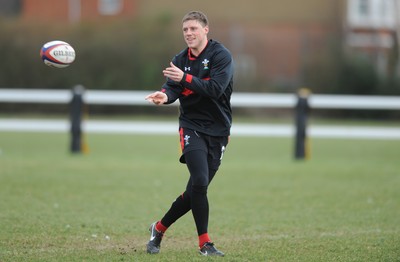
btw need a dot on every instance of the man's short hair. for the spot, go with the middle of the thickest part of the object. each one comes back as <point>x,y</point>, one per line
<point>196,15</point>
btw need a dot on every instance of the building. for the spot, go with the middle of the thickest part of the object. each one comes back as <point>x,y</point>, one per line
<point>372,30</point>
<point>274,42</point>
<point>10,8</point>
<point>73,11</point>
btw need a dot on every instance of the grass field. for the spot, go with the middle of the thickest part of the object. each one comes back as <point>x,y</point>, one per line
<point>341,205</point>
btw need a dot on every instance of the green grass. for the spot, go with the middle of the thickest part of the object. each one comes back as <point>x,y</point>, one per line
<point>341,205</point>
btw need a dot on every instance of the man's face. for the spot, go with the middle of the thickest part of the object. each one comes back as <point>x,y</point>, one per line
<point>195,34</point>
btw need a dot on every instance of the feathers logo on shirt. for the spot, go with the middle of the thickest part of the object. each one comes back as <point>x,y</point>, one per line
<point>186,138</point>
<point>205,63</point>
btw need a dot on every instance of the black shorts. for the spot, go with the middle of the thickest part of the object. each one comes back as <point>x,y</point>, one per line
<point>214,145</point>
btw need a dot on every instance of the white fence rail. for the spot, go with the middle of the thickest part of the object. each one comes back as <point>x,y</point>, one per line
<point>261,100</point>
<point>106,97</point>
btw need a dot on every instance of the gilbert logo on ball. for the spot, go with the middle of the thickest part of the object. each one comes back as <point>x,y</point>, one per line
<point>57,54</point>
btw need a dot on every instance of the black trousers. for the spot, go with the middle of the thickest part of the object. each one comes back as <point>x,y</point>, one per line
<point>202,155</point>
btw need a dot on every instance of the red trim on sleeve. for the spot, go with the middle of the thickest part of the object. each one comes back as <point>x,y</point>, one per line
<point>189,78</point>
<point>187,92</point>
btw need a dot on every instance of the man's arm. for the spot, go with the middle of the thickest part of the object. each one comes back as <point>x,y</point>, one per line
<point>170,91</point>
<point>220,76</point>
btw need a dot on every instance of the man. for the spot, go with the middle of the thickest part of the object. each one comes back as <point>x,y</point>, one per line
<point>201,77</point>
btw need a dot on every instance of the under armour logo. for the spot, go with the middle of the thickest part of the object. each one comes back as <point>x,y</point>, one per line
<point>187,68</point>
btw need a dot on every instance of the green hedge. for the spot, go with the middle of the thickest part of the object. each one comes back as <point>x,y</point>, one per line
<point>119,55</point>
<point>130,54</point>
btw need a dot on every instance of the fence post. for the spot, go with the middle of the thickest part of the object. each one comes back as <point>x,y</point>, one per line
<point>76,108</point>
<point>302,109</point>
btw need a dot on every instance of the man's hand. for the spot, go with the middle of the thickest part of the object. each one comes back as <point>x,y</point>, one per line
<point>157,98</point>
<point>174,73</point>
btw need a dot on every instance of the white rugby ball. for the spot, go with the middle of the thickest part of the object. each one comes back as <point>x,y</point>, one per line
<point>57,54</point>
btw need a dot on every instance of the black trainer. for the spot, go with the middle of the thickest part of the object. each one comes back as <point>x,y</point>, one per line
<point>208,249</point>
<point>153,247</point>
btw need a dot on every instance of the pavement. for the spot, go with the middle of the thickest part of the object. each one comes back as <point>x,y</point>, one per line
<point>171,128</point>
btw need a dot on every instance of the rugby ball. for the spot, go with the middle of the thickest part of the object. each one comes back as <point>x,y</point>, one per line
<point>57,54</point>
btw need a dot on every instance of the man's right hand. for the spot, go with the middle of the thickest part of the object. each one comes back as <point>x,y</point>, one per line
<point>157,98</point>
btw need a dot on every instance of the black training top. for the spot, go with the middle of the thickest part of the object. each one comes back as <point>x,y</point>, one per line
<point>205,90</point>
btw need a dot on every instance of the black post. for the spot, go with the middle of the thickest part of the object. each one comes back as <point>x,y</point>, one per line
<point>76,108</point>
<point>302,110</point>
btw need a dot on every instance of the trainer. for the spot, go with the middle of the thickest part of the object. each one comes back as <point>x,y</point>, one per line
<point>201,77</point>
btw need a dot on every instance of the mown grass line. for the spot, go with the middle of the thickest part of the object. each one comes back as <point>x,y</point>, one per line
<point>341,205</point>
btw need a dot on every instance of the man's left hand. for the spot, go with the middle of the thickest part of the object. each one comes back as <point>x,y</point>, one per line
<point>173,72</point>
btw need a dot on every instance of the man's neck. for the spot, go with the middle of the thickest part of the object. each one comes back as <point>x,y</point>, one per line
<point>196,52</point>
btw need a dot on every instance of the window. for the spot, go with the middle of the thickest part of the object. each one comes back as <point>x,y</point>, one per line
<point>110,7</point>
<point>371,13</point>
<point>10,8</point>
<point>363,7</point>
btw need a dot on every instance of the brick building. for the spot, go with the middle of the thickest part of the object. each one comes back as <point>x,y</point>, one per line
<point>76,10</point>
<point>372,30</point>
<point>272,41</point>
